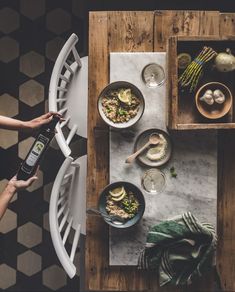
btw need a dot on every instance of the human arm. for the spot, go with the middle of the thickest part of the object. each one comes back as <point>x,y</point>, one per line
<point>11,188</point>
<point>14,124</point>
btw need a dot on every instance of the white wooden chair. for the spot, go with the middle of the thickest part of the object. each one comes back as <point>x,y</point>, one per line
<point>68,93</point>
<point>67,213</point>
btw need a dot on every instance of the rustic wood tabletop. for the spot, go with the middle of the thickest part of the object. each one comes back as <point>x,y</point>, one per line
<point>142,31</point>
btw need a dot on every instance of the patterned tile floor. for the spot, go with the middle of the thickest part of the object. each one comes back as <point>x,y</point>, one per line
<point>31,36</point>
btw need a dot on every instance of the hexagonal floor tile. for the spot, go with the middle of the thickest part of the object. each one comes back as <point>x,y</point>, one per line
<point>8,138</point>
<point>46,221</point>
<point>37,183</point>
<point>46,106</point>
<point>58,21</point>
<point>47,191</point>
<point>54,277</point>
<point>29,263</point>
<point>32,9</point>
<point>9,49</point>
<point>31,92</point>
<point>24,146</point>
<point>9,106</point>
<point>9,278</point>
<point>32,64</point>
<point>53,48</point>
<point>8,221</point>
<point>29,234</point>
<point>9,20</point>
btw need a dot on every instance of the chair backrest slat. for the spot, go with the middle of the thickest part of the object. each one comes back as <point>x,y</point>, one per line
<point>64,123</point>
<point>61,200</point>
<point>77,57</point>
<point>75,241</point>
<point>63,110</point>
<point>64,219</point>
<point>71,134</point>
<point>62,89</point>
<point>61,210</point>
<point>67,230</point>
<point>64,78</point>
<point>68,68</point>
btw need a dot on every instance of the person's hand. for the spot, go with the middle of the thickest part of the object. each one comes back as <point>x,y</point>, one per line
<point>42,120</point>
<point>21,184</point>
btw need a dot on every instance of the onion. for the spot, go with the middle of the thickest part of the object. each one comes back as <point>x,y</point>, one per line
<point>225,61</point>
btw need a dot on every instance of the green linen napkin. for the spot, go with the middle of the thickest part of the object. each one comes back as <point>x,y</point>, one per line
<point>180,249</point>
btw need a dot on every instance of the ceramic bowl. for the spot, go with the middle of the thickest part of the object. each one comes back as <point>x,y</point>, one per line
<point>128,187</point>
<point>143,138</point>
<point>115,86</point>
<point>214,111</point>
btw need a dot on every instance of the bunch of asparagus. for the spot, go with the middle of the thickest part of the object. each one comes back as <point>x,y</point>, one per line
<point>194,70</point>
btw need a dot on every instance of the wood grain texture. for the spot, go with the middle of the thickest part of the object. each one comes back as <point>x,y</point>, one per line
<point>172,84</point>
<point>123,31</point>
<point>196,126</point>
<point>226,189</point>
<point>97,148</point>
<point>183,23</point>
<point>130,31</point>
<point>227,24</point>
<point>116,31</point>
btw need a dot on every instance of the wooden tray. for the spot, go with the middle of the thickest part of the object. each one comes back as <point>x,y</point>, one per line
<point>182,111</point>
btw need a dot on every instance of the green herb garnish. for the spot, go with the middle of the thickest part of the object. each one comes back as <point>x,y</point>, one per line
<point>108,110</point>
<point>122,112</point>
<point>173,172</point>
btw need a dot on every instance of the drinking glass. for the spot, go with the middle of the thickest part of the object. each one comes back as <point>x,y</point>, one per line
<point>153,75</point>
<point>153,181</point>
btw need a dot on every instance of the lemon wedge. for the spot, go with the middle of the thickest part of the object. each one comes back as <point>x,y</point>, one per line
<point>124,95</point>
<point>117,199</point>
<point>184,59</point>
<point>117,192</point>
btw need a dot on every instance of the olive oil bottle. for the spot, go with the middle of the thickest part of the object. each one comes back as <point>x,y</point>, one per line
<point>34,156</point>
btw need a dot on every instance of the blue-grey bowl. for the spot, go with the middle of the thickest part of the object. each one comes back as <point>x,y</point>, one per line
<point>129,187</point>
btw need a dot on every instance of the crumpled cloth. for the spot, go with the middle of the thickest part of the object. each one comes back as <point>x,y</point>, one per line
<point>180,249</point>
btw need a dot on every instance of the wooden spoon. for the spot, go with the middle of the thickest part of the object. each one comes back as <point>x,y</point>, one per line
<point>154,139</point>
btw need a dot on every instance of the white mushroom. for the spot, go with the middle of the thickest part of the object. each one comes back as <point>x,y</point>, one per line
<point>208,97</point>
<point>219,97</point>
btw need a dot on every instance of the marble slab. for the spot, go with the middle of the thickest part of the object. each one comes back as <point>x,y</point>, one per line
<point>194,158</point>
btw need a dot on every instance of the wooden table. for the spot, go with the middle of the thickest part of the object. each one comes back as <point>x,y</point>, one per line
<point>117,31</point>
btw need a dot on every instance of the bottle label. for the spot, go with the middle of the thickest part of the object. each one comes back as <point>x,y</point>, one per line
<point>35,153</point>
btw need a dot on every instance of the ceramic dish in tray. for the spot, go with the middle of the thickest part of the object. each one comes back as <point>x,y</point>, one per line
<point>216,110</point>
<point>123,108</point>
<point>129,187</point>
<point>143,138</point>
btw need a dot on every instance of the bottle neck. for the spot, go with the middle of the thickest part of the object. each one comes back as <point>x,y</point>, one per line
<point>53,123</point>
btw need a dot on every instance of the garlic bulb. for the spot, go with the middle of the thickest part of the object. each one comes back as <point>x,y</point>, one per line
<point>208,97</point>
<point>208,91</point>
<point>219,97</point>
